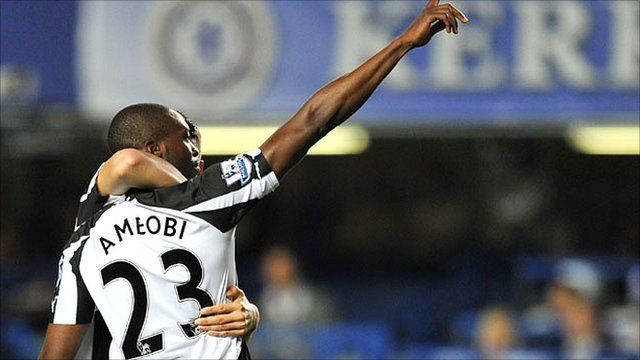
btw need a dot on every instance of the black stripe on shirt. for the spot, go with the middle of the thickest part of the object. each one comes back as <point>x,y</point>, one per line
<point>82,231</point>
<point>226,218</point>
<point>210,184</point>
<point>91,205</point>
<point>101,338</point>
<point>189,193</point>
<point>86,306</point>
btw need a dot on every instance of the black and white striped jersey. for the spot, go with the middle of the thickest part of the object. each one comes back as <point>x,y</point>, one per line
<point>91,201</point>
<point>149,261</point>
<point>98,339</point>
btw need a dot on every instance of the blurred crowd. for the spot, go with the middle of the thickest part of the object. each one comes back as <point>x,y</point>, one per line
<point>570,321</point>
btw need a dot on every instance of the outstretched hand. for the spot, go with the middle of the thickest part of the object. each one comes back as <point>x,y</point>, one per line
<point>238,318</point>
<point>432,19</point>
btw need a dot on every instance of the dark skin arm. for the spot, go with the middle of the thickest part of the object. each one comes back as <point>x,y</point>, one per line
<point>62,341</point>
<point>338,100</point>
<point>131,168</point>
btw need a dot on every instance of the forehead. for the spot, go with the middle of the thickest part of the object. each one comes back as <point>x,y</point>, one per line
<point>181,120</point>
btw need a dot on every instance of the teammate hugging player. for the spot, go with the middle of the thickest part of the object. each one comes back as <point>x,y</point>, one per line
<point>130,168</point>
<point>151,261</point>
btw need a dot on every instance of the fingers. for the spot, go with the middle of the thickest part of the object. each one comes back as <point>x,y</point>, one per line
<point>437,27</point>
<point>432,3</point>
<point>236,328</point>
<point>452,21</point>
<point>448,15</point>
<point>444,19</point>
<point>220,319</point>
<point>225,319</point>
<point>227,333</point>
<point>233,324</point>
<point>220,309</point>
<point>458,14</point>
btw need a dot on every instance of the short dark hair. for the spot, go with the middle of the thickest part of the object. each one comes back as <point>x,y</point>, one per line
<point>136,124</point>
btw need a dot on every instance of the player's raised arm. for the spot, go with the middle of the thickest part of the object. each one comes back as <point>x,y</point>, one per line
<point>131,168</point>
<point>339,99</point>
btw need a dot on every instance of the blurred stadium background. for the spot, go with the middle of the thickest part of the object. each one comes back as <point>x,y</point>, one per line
<point>483,203</point>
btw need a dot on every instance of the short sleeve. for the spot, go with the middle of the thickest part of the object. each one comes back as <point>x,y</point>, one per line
<point>72,304</point>
<point>223,193</point>
<point>90,201</point>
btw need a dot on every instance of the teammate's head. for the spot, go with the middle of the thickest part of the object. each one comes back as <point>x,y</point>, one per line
<point>198,142</point>
<point>158,130</point>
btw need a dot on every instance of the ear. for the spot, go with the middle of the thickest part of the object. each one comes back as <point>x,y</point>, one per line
<point>154,148</point>
<point>201,166</point>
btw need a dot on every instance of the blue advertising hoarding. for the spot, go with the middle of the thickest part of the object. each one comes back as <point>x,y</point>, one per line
<point>515,62</point>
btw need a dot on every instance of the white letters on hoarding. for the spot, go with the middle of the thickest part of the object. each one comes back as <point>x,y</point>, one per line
<point>548,46</point>
<point>549,42</point>
<point>524,58</point>
<point>625,44</point>
<point>358,38</point>
<point>451,72</point>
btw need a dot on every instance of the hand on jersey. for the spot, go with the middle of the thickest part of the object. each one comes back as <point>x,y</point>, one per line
<point>239,318</point>
<point>434,18</point>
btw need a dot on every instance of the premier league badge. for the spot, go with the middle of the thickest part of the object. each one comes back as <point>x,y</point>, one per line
<point>237,169</point>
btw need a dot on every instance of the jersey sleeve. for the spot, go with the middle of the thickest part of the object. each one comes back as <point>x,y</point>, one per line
<point>72,304</point>
<point>223,193</point>
<point>91,201</point>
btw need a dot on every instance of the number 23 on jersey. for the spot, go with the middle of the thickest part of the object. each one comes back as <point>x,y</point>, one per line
<point>133,344</point>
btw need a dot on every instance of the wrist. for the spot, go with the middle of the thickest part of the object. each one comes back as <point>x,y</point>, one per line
<point>254,315</point>
<point>403,43</point>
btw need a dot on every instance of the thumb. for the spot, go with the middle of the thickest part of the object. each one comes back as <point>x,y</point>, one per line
<point>437,27</point>
<point>233,293</point>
